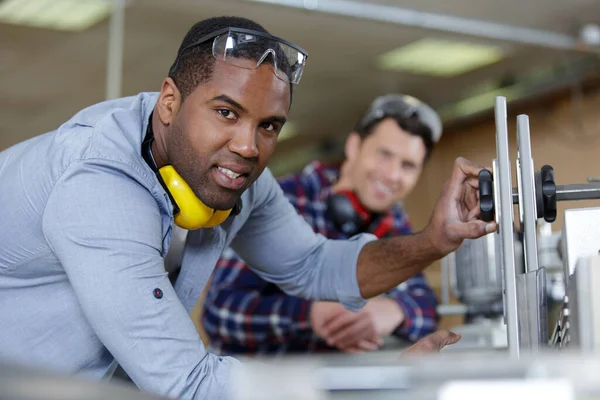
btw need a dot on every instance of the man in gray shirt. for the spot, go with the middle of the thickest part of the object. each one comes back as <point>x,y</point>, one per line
<point>88,212</point>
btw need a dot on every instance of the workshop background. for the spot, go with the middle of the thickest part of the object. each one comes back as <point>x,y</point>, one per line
<point>58,56</point>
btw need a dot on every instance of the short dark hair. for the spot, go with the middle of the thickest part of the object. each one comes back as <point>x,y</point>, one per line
<point>195,65</point>
<point>411,124</point>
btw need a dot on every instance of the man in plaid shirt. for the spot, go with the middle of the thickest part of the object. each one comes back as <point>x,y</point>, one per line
<point>384,158</point>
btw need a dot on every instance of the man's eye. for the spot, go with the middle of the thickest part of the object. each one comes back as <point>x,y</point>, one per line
<point>226,113</point>
<point>384,153</point>
<point>267,126</point>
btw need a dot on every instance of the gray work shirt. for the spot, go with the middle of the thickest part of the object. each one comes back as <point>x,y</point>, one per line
<point>84,228</point>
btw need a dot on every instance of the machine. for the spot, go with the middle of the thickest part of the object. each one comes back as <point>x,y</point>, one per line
<point>509,281</point>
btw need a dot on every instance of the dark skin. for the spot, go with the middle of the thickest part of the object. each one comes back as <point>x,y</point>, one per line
<point>220,140</point>
<point>232,122</point>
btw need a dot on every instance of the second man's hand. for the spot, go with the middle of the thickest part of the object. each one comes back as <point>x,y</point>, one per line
<point>356,331</point>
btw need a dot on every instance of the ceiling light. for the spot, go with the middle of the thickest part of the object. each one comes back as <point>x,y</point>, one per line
<point>479,102</point>
<point>64,15</point>
<point>439,57</point>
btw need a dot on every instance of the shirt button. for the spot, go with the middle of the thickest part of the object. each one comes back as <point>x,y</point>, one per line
<point>158,293</point>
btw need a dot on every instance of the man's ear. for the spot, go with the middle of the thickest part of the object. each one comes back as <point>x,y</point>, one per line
<point>169,101</point>
<point>352,147</point>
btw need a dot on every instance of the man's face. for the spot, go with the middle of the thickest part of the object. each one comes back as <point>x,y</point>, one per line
<point>385,166</point>
<point>225,132</point>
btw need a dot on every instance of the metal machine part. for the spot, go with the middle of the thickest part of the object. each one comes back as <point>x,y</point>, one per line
<point>536,196</point>
<point>527,194</point>
<point>533,310</point>
<point>475,275</point>
<point>581,330</point>
<point>505,220</point>
<point>580,237</point>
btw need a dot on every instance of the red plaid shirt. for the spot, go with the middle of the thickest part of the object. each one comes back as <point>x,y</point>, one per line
<point>245,314</point>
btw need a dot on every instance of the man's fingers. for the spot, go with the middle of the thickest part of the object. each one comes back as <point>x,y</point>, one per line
<point>473,214</point>
<point>332,326</point>
<point>368,345</point>
<point>466,168</point>
<point>363,344</point>
<point>452,338</point>
<point>444,337</point>
<point>360,347</point>
<point>433,342</point>
<point>351,333</point>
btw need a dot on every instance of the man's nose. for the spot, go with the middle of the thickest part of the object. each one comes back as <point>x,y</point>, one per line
<point>393,173</point>
<point>243,143</point>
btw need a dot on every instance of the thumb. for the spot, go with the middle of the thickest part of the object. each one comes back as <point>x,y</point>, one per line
<point>474,229</point>
<point>443,338</point>
<point>446,338</point>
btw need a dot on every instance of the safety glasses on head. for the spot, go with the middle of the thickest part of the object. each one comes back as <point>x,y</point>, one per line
<point>397,105</point>
<point>236,46</point>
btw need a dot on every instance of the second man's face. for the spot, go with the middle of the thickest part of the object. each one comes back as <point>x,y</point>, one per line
<point>386,165</point>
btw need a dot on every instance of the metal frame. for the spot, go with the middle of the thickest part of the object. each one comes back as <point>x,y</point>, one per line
<point>527,202</point>
<point>525,306</point>
<point>505,218</point>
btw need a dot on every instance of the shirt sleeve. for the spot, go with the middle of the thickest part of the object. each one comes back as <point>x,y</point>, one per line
<point>105,228</point>
<point>283,249</point>
<point>419,306</point>
<point>242,309</point>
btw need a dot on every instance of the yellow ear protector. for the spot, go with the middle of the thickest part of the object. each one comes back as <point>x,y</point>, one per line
<point>190,212</point>
<point>193,213</point>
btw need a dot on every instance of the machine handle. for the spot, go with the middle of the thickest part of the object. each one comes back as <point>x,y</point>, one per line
<point>486,195</point>
<point>548,193</point>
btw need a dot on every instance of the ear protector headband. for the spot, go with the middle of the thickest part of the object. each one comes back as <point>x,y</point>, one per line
<point>351,217</point>
<point>190,212</point>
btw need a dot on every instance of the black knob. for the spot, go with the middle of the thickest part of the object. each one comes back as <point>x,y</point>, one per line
<point>486,195</point>
<point>548,193</point>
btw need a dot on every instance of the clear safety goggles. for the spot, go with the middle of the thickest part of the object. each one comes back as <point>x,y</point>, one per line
<point>234,45</point>
<point>404,106</point>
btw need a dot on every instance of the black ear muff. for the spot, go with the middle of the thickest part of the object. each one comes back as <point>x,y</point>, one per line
<point>346,213</point>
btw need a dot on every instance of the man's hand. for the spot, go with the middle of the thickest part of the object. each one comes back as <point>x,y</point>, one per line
<point>348,331</point>
<point>385,313</point>
<point>433,343</point>
<point>455,214</point>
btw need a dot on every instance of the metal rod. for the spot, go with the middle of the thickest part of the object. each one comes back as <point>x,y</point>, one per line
<point>440,22</point>
<point>114,64</point>
<point>527,204</point>
<point>506,227</point>
<point>577,192</point>
<point>572,192</point>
